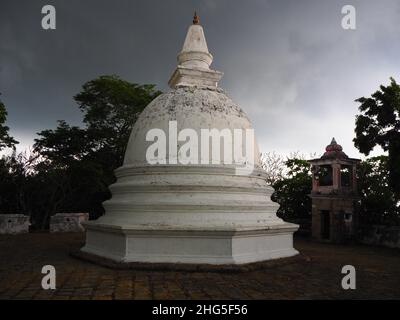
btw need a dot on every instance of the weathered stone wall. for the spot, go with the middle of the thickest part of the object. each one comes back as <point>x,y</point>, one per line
<point>14,223</point>
<point>380,235</point>
<point>340,230</point>
<point>68,222</point>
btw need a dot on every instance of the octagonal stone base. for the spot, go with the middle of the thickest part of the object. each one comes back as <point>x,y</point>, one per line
<point>216,247</point>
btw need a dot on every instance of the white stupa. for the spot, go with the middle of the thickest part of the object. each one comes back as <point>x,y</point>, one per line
<point>171,212</point>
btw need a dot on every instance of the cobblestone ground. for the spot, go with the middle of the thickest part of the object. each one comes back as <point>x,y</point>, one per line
<point>316,277</point>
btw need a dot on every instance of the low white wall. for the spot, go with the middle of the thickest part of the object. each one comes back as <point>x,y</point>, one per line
<point>68,222</point>
<point>14,223</point>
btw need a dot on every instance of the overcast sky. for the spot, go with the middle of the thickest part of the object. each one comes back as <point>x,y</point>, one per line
<point>290,65</point>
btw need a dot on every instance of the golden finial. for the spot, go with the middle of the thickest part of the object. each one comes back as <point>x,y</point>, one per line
<point>196,19</point>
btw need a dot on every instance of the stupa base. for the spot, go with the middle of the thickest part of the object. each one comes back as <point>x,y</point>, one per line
<point>215,247</point>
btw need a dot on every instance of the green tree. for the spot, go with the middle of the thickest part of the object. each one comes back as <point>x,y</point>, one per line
<point>110,107</point>
<point>63,145</point>
<point>292,191</point>
<point>379,124</point>
<point>6,141</point>
<point>378,204</point>
<point>78,162</point>
<point>16,173</point>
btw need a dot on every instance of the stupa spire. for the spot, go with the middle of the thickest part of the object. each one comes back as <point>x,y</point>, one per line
<point>196,19</point>
<point>194,60</point>
<point>195,51</point>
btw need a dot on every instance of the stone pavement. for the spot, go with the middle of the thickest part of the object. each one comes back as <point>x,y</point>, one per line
<point>316,276</point>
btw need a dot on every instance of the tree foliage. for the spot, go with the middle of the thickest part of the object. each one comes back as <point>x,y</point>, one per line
<point>110,107</point>
<point>16,189</point>
<point>71,167</point>
<point>6,141</point>
<point>378,204</point>
<point>379,124</point>
<point>292,191</point>
<point>274,166</point>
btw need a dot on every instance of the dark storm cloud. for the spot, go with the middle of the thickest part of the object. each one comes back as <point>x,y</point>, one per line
<point>290,65</point>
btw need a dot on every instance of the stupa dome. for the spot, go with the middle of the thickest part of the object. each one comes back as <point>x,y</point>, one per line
<point>191,107</point>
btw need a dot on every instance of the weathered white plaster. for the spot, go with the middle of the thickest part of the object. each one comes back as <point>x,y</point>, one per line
<point>190,246</point>
<point>14,223</point>
<point>68,222</point>
<point>191,107</point>
<point>194,62</point>
<point>178,213</point>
